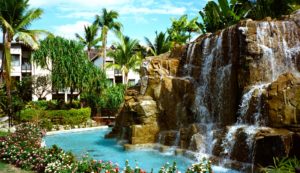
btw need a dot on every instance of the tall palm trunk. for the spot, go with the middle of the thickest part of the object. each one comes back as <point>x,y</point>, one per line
<point>3,56</point>
<point>104,41</point>
<point>89,53</point>
<point>126,78</point>
<point>7,68</point>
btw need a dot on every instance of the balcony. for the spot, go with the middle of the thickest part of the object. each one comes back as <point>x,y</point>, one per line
<point>26,66</point>
<point>118,72</point>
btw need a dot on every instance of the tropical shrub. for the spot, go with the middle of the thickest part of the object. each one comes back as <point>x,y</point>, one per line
<point>272,8</point>
<point>160,45</point>
<point>52,105</point>
<point>181,30</point>
<point>283,165</point>
<point>47,118</point>
<point>112,97</point>
<point>30,114</point>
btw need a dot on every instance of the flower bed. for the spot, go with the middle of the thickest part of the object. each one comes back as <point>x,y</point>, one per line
<point>23,149</point>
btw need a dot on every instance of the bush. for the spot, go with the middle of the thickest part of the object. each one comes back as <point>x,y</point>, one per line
<point>52,105</point>
<point>283,165</point>
<point>58,117</point>
<point>30,114</point>
<point>69,117</point>
<point>46,124</point>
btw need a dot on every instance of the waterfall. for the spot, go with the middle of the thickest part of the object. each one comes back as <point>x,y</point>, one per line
<point>257,119</point>
<point>271,38</point>
<point>275,60</point>
<point>188,67</point>
<point>177,139</point>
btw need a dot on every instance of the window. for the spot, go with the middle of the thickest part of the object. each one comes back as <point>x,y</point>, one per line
<point>131,82</point>
<point>15,60</point>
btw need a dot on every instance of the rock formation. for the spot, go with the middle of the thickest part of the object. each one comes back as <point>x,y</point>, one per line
<point>232,94</point>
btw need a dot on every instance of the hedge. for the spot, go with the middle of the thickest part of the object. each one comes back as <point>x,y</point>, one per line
<point>58,117</point>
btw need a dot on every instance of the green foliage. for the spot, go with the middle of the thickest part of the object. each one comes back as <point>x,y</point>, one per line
<point>112,97</point>
<point>216,16</point>
<point>57,117</point>
<point>107,21</point>
<point>219,15</point>
<point>125,55</point>
<point>283,165</point>
<point>17,101</point>
<point>181,29</point>
<point>32,115</point>
<point>160,45</point>
<point>2,134</point>
<point>90,39</point>
<point>272,8</point>
<point>70,65</point>
<point>46,124</point>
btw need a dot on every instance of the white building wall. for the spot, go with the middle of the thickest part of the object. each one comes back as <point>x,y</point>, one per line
<point>15,70</point>
<point>38,71</point>
<point>110,72</point>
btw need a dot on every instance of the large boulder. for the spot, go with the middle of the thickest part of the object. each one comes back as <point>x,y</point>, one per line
<point>283,102</point>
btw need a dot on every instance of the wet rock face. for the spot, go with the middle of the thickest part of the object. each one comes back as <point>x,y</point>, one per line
<point>273,145</point>
<point>137,121</point>
<point>283,102</point>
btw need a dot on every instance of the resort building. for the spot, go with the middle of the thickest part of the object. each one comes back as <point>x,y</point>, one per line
<point>114,75</point>
<point>23,67</point>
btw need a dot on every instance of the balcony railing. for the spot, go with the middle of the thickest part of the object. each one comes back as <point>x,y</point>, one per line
<point>26,67</point>
<point>118,72</point>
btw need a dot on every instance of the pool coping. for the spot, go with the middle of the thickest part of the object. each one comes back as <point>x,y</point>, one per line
<point>75,130</point>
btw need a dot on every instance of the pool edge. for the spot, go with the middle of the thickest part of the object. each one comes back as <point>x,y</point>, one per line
<point>75,130</point>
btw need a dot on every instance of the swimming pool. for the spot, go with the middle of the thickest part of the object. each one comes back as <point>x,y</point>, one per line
<point>96,146</point>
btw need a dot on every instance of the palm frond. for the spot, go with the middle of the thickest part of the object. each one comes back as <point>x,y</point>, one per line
<point>30,16</point>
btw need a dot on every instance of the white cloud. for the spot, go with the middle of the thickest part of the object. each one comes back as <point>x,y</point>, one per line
<point>128,10</point>
<point>69,30</point>
<point>172,10</point>
<point>78,3</point>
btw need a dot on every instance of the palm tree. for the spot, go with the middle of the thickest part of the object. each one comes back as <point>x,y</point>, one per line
<point>125,55</point>
<point>181,29</point>
<point>107,22</point>
<point>15,18</point>
<point>192,26</point>
<point>90,39</point>
<point>161,44</point>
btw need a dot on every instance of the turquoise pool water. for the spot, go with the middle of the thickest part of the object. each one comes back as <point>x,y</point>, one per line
<point>99,148</point>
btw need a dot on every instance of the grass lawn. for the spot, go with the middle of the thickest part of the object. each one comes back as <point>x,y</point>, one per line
<point>6,168</point>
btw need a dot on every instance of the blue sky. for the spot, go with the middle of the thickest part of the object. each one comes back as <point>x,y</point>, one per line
<point>139,18</point>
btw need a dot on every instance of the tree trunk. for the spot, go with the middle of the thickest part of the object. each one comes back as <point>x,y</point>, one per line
<point>104,40</point>
<point>3,57</point>
<point>71,96</point>
<point>7,77</point>
<point>89,53</point>
<point>126,78</point>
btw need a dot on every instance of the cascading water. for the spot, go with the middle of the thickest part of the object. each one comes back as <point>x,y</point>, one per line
<point>190,55</point>
<point>278,59</point>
